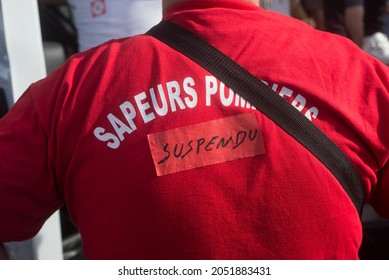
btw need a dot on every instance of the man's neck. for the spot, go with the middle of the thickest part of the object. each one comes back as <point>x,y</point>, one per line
<point>167,3</point>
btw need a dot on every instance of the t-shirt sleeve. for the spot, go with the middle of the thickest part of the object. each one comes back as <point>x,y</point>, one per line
<point>28,191</point>
<point>373,117</point>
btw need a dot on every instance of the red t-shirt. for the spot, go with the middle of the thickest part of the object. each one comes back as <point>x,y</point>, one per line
<point>157,159</point>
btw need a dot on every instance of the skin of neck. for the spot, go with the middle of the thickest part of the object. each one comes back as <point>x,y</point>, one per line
<point>167,3</point>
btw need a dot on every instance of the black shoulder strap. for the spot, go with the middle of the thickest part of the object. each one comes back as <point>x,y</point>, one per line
<point>263,98</point>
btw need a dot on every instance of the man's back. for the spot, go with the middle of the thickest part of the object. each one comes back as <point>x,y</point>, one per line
<point>132,127</point>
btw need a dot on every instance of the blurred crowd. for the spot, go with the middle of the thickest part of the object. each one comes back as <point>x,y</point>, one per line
<point>362,21</point>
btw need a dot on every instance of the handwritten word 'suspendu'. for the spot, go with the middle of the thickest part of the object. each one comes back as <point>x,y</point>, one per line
<point>207,143</point>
